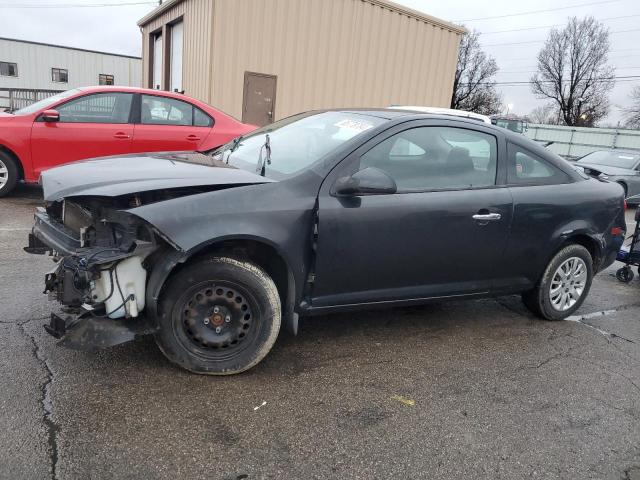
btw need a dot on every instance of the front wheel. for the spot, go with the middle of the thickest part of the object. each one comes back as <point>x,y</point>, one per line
<point>564,285</point>
<point>219,316</point>
<point>9,174</point>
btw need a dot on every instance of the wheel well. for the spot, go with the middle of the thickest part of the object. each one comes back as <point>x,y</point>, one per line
<point>9,152</point>
<point>624,185</point>
<point>590,244</point>
<point>263,255</point>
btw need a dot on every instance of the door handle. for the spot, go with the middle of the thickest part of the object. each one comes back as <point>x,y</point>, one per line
<point>484,217</point>
<point>193,138</point>
<point>121,135</point>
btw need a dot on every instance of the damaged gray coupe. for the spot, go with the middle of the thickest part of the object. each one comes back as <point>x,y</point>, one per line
<point>321,212</point>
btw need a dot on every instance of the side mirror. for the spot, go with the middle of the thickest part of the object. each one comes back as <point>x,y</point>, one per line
<point>370,181</point>
<point>50,116</point>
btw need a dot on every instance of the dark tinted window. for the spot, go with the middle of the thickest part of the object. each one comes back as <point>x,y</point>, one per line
<point>8,69</point>
<point>99,108</point>
<point>526,168</point>
<point>201,119</point>
<point>59,75</point>
<point>436,158</point>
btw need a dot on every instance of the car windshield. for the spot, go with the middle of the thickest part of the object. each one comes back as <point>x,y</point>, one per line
<point>295,143</point>
<point>612,159</point>
<point>46,102</point>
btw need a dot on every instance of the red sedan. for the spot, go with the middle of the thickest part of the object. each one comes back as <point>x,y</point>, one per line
<point>102,121</point>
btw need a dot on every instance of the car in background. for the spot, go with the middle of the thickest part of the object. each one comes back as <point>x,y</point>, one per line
<point>103,121</point>
<point>621,166</point>
<point>445,111</point>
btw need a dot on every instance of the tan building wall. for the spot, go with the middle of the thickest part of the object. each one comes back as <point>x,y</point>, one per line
<point>325,53</point>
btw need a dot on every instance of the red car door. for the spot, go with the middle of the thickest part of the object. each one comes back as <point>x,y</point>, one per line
<point>168,124</point>
<point>94,125</point>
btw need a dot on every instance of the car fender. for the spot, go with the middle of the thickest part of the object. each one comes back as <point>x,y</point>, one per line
<point>197,223</point>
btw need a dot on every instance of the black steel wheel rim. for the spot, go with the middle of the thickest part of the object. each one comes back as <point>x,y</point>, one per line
<point>217,320</point>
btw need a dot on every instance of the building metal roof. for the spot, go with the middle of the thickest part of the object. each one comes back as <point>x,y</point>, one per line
<point>167,4</point>
<point>69,48</point>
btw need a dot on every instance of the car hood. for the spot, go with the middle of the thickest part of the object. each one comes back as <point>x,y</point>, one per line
<point>607,170</point>
<point>126,174</point>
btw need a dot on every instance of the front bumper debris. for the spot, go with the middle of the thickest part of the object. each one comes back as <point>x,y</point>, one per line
<point>90,333</point>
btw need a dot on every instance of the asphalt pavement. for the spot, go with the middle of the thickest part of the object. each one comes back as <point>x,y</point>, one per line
<point>474,389</point>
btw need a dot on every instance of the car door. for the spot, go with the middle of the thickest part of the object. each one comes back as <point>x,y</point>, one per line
<point>93,125</point>
<point>168,124</point>
<point>441,234</point>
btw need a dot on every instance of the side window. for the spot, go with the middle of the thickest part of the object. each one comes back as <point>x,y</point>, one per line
<point>436,158</point>
<point>201,119</point>
<point>98,108</point>
<point>165,111</point>
<point>526,168</point>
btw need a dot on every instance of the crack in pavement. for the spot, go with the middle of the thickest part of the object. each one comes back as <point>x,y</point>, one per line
<point>46,401</point>
<point>581,320</point>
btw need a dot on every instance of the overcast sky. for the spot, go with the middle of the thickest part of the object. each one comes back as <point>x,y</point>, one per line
<point>114,29</point>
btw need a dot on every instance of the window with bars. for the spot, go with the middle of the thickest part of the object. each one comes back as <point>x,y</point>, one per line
<point>105,79</point>
<point>8,69</point>
<point>60,75</point>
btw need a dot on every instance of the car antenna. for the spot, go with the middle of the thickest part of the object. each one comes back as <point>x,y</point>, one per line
<point>266,160</point>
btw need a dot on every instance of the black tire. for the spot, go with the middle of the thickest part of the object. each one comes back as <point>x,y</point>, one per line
<point>539,300</point>
<point>624,274</point>
<point>219,316</point>
<point>8,179</point>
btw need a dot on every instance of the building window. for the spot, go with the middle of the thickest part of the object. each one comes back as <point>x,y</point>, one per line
<point>104,79</point>
<point>8,69</point>
<point>59,75</point>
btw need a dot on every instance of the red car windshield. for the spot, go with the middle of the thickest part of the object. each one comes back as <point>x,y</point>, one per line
<point>46,102</point>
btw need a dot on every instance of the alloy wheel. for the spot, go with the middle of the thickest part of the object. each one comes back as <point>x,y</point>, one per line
<point>568,284</point>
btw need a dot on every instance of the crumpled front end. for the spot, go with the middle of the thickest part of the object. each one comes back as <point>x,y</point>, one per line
<point>101,254</point>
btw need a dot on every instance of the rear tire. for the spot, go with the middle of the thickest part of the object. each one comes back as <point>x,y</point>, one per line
<point>564,285</point>
<point>9,174</point>
<point>219,316</point>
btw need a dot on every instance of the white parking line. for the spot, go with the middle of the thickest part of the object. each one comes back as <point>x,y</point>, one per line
<point>15,229</point>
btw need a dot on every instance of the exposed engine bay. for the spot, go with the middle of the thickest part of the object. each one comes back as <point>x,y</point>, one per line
<point>103,255</point>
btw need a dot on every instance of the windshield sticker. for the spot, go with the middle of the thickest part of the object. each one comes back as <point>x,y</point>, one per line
<point>625,157</point>
<point>355,125</point>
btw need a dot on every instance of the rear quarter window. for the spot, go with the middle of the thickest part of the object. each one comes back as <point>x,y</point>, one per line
<point>527,168</point>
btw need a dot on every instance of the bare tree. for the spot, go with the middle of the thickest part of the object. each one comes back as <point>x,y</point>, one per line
<point>545,114</point>
<point>633,112</point>
<point>573,71</point>
<point>473,89</point>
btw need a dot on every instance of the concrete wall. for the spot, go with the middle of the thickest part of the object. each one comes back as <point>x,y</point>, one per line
<point>325,53</point>
<point>35,62</point>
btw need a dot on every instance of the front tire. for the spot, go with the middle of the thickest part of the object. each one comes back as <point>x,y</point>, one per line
<point>9,174</point>
<point>219,316</point>
<point>564,285</point>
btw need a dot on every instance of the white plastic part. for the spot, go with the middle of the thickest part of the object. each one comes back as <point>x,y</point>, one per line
<point>132,278</point>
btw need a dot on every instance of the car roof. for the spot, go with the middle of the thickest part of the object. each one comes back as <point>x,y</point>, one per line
<point>122,88</point>
<point>445,111</point>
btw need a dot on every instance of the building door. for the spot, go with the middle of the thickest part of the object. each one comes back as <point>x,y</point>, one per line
<point>156,81</point>
<point>176,57</point>
<point>259,100</point>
